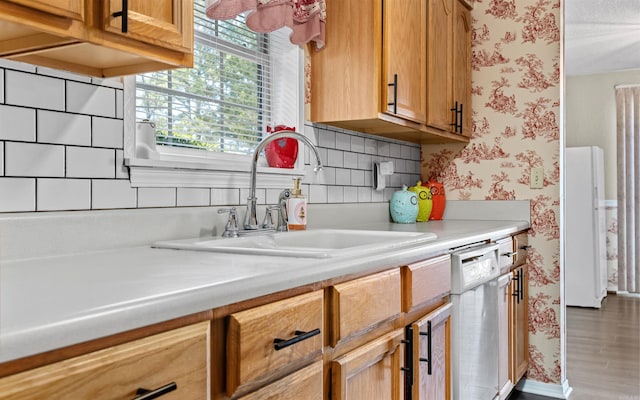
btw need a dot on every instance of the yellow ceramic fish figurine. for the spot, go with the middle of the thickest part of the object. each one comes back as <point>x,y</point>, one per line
<point>425,204</point>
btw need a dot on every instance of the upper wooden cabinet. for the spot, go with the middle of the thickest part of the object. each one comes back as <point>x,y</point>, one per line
<point>395,68</point>
<point>84,36</point>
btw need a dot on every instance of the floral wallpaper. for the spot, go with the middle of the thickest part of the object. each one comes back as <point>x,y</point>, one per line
<point>516,127</point>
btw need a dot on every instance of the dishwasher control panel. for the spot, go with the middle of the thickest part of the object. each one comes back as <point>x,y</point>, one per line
<point>473,266</point>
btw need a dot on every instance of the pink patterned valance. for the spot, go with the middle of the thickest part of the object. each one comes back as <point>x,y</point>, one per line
<point>306,18</point>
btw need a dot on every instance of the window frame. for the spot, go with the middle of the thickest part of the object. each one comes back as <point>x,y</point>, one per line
<point>181,167</point>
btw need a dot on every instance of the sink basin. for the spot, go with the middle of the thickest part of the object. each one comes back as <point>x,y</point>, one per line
<point>318,243</point>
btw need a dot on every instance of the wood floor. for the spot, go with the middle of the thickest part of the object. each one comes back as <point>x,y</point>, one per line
<point>603,351</point>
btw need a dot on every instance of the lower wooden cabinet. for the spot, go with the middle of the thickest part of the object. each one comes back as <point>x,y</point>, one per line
<point>519,324</point>
<point>303,384</point>
<point>370,372</point>
<point>176,360</point>
<point>430,357</point>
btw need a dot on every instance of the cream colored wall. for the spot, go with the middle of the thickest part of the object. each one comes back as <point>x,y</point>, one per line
<point>590,118</point>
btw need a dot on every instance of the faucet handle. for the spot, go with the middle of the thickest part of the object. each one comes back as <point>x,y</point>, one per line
<point>267,222</point>
<point>231,228</point>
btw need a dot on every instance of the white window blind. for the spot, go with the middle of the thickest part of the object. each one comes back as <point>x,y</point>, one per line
<point>222,104</point>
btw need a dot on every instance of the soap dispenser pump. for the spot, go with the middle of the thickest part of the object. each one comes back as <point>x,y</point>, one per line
<point>297,208</point>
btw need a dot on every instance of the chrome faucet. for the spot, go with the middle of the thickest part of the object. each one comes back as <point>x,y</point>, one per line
<point>250,217</point>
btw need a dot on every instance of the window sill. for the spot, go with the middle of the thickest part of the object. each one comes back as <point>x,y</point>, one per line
<point>171,173</point>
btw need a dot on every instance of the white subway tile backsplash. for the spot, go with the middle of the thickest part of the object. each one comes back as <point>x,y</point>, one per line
<point>122,172</point>
<point>395,150</point>
<point>225,197</point>
<point>29,90</point>
<point>115,82</point>
<point>350,160</point>
<point>33,159</point>
<point>357,144</point>
<point>327,176</point>
<point>370,146</point>
<point>368,178</point>
<point>88,162</point>
<point>377,196</point>
<point>1,86</point>
<point>17,194</point>
<point>156,197</point>
<point>20,66</point>
<point>119,104</point>
<point>62,74</point>
<point>383,148</point>
<point>63,128</point>
<point>335,194</point>
<point>405,152</point>
<point>357,177</point>
<point>111,193</point>
<point>83,98</point>
<point>335,158</point>
<point>17,123</point>
<point>343,177</point>
<point>272,196</point>
<point>193,197</point>
<point>399,165</point>
<point>415,153</point>
<point>107,132</point>
<point>387,193</point>
<point>343,141</point>
<point>63,194</point>
<point>350,194</point>
<point>318,194</point>
<point>326,138</point>
<point>365,161</point>
<point>364,194</point>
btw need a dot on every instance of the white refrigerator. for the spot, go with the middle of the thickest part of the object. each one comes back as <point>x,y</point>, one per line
<point>585,233</point>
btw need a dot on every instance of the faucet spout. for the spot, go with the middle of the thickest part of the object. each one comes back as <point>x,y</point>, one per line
<point>250,217</point>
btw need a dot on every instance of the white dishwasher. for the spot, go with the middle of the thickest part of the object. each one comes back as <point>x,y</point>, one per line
<point>475,323</point>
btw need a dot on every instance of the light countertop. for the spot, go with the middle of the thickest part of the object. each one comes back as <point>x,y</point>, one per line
<point>56,301</point>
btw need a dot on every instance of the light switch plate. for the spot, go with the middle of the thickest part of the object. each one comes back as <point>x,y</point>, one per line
<point>537,178</point>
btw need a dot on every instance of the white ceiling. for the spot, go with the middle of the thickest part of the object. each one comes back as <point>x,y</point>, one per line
<point>601,36</point>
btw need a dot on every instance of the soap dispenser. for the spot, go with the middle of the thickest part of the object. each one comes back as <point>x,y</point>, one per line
<point>297,208</point>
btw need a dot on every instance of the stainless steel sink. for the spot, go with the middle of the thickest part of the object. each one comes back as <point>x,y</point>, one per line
<point>318,243</point>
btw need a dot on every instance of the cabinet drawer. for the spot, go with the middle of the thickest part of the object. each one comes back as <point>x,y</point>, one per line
<point>506,254</point>
<point>252,351</point>
<point>425,280</point>
<point>303,384</point>
<point>521,246</point>
<point>362,303</point>
<point>117,372</point>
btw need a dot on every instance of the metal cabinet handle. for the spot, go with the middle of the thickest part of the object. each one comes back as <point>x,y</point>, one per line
<point>525,247</point>
<point>516,292</point>
<point>279,344</point>
<point>428,359</point>
<point>146,394</point>
<point>408,359</point>
<point>124,14</point>
<point>513,253</point>
<point>521,283</point>
<point>395,93</point>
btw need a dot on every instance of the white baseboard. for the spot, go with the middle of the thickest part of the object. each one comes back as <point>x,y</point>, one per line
<point>555,390</point>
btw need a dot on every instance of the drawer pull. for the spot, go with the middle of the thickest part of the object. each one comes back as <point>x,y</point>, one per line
<point>395,93</point>
<point>513,253</point>
<point>279,344</point>
<point>145,394</point>
<point>124,14</point>
<point>428,360</point>
<point>525,247</point>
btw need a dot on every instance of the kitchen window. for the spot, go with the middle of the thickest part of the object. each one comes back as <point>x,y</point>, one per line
<point>209,118</point>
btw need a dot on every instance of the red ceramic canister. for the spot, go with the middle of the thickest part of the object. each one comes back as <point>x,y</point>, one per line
<point>438,199</point>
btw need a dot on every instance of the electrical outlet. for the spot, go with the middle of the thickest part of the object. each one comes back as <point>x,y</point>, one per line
<point>537,178</point>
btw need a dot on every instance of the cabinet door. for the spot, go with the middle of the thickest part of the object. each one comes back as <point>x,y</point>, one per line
<point>519,335</point>
<point>404,49</point>
<point>303,384</point>
<point>176,360</point>
<point>440,74</point>
<point>73,9</point>
<point>462,64</point>
<point>431,344</point>
<point>166,23</point>
<point>370,372</point>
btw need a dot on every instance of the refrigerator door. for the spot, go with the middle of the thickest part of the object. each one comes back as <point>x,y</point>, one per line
<point>585,234</point>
